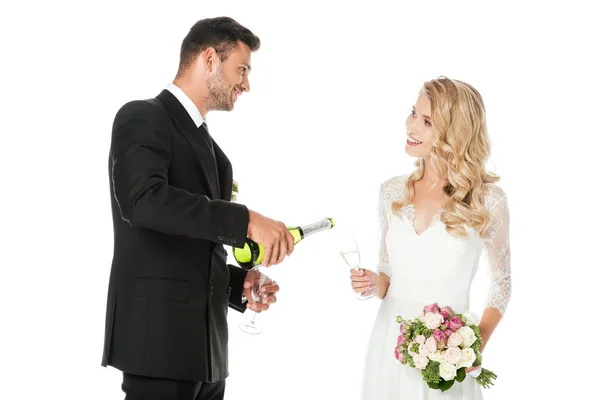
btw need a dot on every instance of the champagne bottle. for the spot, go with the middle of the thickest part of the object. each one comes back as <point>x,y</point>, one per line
<point>252,253</point>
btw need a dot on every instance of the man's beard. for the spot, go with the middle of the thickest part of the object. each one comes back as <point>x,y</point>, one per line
<point>219,93</point>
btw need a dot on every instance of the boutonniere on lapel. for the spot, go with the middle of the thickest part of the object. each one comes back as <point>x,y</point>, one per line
<point>234,191</point>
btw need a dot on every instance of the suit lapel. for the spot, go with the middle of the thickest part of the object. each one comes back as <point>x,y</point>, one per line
<point>196,140</point>
<point>225,172</point>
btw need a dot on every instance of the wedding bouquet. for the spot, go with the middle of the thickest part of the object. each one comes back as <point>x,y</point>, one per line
<point>234,191</point>
<point>442,344</point>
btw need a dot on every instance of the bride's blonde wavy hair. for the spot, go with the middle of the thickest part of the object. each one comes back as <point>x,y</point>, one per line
<point>460,150</point>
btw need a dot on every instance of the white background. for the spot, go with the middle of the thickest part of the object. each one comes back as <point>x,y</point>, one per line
<point>322,127</point>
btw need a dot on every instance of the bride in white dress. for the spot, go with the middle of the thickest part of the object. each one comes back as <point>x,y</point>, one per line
<point>435,224</point>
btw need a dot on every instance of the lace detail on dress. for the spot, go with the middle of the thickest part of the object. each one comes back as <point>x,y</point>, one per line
<point>409,213</point>
<point>390,191</point>
<point>498,248</point>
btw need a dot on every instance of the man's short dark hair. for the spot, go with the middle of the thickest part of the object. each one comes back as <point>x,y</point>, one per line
<point>221,33</point>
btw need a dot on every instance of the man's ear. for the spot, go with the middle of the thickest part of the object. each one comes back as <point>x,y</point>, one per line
<point>209,58</point>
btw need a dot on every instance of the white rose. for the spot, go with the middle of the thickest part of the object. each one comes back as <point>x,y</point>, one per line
<point>472,318</point>
<point>433,321</point>
<point>421,361</point>
<point>447,371</point>
<point>420,339</point>
<point>455,340</point>
<point>437,356</point>
<point>453,355</point>
<point>467,358</point>
<point>468,336</point>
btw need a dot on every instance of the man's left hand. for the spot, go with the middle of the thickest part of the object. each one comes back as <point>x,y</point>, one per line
<point>267,289</point>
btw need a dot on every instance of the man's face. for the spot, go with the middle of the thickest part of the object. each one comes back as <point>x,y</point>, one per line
<point>229,78</point>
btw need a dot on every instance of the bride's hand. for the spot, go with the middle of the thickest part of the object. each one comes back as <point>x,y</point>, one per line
<point>363,279</point>
<point>473,371</point>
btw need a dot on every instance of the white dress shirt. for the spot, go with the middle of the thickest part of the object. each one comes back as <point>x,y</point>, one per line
<point>187,103</point>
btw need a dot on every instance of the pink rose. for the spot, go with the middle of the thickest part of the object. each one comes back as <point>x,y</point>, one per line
<point>439,336</point>
<point>397,353</point>
<point>448,332</point>
<point>453,355</point>
<point>424,350</point>
<point>402,340</point>
<point>402,329</point>
<point>432,308</point>
<point>455,323</point>
<point>455,340</point>
<point>431,345</point>
<point>445,314</point>
<point>448,309</point>
<point>400,357</point>
<point>420,361</point>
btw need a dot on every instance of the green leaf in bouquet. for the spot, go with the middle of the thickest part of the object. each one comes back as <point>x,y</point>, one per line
<point>431,373</point>
<point>399,319</point>
<point>461,374</point>
<point>433,385</point>
<point>477,345</point>
<point>445,385</point>
<point>408,359</point>
<point>415,347</point>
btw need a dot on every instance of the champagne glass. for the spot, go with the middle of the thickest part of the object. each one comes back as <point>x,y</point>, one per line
<point>258,279</point>
<point>348,248</point>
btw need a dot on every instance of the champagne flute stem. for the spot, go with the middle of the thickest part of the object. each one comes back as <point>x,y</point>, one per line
<point>256,271</point>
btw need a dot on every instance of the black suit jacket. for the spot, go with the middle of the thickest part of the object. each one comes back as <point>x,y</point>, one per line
<point>170,285</point>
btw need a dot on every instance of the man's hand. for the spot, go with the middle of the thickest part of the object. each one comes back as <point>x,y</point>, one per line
<point>260,290</point>
<point>272,235</point>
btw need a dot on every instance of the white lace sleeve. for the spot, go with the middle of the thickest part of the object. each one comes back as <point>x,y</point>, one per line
<point>498,249</point>
<point>390,190</point>
<point>384,262</point>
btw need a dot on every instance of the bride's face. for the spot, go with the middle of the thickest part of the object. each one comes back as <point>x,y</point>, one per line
<point>419,130</point>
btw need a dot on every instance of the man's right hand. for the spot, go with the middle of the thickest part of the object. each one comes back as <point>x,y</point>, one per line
<point>272,235</point>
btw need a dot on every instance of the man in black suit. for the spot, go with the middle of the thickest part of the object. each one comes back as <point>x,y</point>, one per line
<point>170,184</point>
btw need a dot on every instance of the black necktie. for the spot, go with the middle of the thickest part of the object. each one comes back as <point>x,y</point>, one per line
<point>204,130</point>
